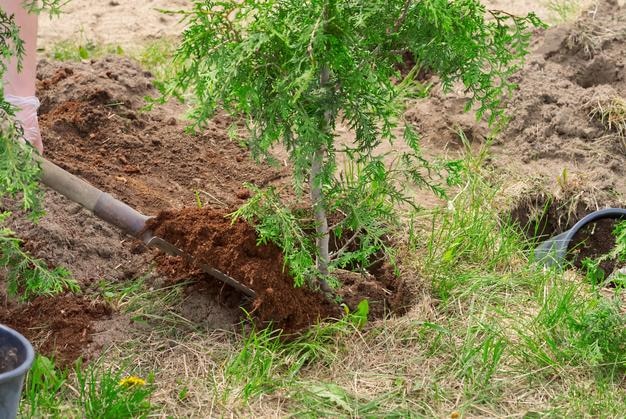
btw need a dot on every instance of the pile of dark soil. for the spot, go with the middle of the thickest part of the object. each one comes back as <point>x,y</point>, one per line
<point>211,237</point>
<point>593,241</point>
<point>60,327</point>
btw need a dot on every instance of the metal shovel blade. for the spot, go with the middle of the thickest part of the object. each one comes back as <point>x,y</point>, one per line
<point>155,241</point>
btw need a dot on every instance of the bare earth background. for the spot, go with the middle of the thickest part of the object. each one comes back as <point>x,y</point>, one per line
<point>127,22</point>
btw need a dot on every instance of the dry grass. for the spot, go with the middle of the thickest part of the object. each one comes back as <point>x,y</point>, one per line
<point>589,34</point>
<point>611,113</point>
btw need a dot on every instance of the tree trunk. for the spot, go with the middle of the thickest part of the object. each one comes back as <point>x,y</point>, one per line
<point>317,196</point>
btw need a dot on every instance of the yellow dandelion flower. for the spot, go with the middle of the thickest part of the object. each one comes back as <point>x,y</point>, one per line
<point>132,381</point>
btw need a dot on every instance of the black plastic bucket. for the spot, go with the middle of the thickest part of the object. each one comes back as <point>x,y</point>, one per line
<point>553,252</point>
<point>16,357</point>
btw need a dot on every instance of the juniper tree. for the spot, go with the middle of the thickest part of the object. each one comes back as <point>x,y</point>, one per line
<point>294,69</point>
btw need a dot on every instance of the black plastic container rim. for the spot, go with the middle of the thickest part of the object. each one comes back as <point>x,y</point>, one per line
<point>28,360</point>
<point>594,216</point>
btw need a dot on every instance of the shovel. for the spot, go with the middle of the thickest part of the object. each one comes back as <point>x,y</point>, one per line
<point>122,216</point>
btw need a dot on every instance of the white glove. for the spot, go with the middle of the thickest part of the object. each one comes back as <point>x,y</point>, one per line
<point>27,116</point>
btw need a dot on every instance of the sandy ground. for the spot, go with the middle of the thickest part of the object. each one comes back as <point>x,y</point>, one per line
<point>120,22</point>
<point>127,22</point>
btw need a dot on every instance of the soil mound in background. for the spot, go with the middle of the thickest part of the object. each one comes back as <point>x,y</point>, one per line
<point>93,126</point>
<point>570,70</point>
<point>60,327</point>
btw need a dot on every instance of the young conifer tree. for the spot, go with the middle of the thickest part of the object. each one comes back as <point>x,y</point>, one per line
<point>293,69</point>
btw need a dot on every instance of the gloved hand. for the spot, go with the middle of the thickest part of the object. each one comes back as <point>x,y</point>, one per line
<point>27,116</point>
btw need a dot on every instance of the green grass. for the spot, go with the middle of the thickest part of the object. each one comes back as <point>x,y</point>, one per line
<point>26,276</point>
<point>563,11</point>
<point>85,391</point>
<point>154,56</point>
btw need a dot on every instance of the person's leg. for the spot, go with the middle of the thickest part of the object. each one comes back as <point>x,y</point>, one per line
<point>19,86</point>
<point>22,83</point>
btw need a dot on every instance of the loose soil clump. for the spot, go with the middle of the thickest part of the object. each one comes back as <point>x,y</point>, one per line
<point>593,241</point>
<point>211,237</point>
<point>60,327</point>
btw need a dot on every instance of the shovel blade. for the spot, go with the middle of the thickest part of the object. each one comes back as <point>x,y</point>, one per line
<point>155,241</point>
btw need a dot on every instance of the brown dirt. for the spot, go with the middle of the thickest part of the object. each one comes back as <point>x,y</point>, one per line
<point>60,327</point>
<point>385,292</point>
<point>210,237</point>
<point>542,214</point>
<point>93,126</point>
<point>551,129</point>
<point>594,240</point>
<point>232,248</point>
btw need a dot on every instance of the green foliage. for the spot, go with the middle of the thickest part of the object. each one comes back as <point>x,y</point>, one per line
<point>267,362</point>
<point>82,50</point>
<point>323,399</point>
<point>92,391</point>
<point>27,276</point>
<point>19,173</point>
<point>292,70</point>
<point>11,45</point>
<point>564,10</point>
<point>277,224</point>
<point>362,200</point>
<point>102,393</point>
<point>593,272</point>
<point>619,231</point>
<point>42,388</point>
<point>601,331</point>
<point>576,329</point>
<point>53,7</point>
<point>359,317</point>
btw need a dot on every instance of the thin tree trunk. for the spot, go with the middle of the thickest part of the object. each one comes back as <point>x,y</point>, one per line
<point>321,219</point>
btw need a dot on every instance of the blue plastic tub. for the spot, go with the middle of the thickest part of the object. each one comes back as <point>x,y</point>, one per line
<point>17,357</point>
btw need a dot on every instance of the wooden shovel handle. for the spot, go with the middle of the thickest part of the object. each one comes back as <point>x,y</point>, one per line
<point>103,205</point>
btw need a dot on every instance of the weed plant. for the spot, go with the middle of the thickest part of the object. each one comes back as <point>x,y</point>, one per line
<point>92,391</point>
